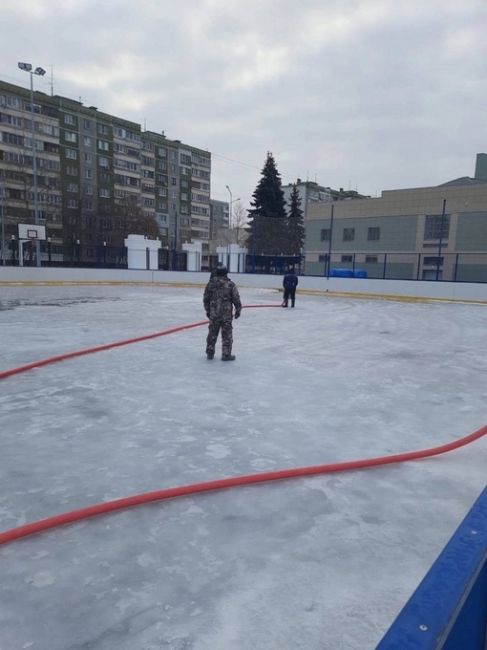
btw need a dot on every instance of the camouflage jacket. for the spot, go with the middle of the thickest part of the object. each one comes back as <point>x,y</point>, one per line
<point>220,294</point>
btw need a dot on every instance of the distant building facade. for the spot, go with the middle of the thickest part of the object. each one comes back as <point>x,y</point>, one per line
<point>92,170</point>
<point>220,216</point>
<point>405,233</point>
<point>311,193</point>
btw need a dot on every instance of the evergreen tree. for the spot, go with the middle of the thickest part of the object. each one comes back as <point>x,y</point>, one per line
<point>267,218</point>
<point>295,224</point>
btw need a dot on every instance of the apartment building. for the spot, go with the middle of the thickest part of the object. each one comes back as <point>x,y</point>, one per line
<point>311,192</point>
<point>423,233</point>
<point>96,174</point>
<point>220,216</point>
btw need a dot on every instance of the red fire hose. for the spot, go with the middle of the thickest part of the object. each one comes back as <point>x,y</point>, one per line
<point>106,346</point>
<point>221,484</point>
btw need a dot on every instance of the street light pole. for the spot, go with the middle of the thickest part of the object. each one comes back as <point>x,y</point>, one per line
<point>230,209</point>
<point>27,67</point>
<point>229,228</point>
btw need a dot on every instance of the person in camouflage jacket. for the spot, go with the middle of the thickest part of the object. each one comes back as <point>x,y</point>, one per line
<point>220,296</point>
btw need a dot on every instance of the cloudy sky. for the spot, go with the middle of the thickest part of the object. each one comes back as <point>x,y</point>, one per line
<point>361,94</point>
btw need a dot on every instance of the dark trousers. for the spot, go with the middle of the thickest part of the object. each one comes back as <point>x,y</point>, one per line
<point>289,293</point>
<point>214,329</point>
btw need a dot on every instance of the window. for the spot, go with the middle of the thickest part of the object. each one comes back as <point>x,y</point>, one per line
<point>103,129</point>
<point>347,258</point>
<point>12,138</point>
<point>173,181</point>
<point>72,203</point>
<point>72,187</point>
<point>373,234</point>
<point>87,141</point>
<point>69,119</point>
<point>89,189</point>
<point>371,259</point>
<point>71,171</point>
<point>325,234</point>
<point>70,137</point>
<point>88,157</point>
<point>103,162</point>
<point>437,226</point>
<point>51,147</point>
<point>11,119</point>
<point>348,234</point>
<point>432,261</point>
<point>49,129</point>
<point>9,100</point>
<point>87,124</point>
<point>72,154</point>
<point>104,193</point>
<point>88,173</point>
<point>161,152</point>
<point>103,145</point>
<point>36,107</point>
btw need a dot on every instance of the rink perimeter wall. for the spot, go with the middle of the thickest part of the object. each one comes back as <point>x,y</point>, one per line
<point>448,611</point>
<point>308,285</point>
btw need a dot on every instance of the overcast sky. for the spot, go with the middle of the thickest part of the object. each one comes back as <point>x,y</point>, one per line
<point>361,94</point>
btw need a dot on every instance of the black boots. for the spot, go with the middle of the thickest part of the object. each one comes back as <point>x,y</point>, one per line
<point>225,357</point>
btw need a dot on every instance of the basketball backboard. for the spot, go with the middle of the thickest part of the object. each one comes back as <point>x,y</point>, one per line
<point>32,231</point>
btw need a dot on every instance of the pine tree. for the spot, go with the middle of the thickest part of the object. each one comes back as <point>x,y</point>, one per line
<point>295,224</point>
<point>267,218</point>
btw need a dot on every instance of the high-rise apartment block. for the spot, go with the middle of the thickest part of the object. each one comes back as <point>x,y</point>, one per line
<point>96,174</point>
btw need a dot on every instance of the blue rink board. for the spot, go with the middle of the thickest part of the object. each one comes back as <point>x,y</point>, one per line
<point>448,611</point>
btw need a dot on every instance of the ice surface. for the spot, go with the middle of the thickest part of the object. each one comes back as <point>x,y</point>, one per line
<point>318,563</point>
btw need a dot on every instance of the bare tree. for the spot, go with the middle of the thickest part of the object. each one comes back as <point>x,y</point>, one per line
<point>129,219</point>
<point>239,224</point>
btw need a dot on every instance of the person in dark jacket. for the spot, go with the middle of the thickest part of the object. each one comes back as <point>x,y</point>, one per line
<point>220,296</point>
<point>289,284</point>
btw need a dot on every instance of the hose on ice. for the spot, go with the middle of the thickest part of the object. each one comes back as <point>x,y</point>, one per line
<point>237,481</point>
<point>107,346</point>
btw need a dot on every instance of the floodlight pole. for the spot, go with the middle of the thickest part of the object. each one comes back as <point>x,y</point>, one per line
<point>27,67</point>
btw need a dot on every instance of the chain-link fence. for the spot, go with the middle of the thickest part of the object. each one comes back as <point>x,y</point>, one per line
<point>449,267</point>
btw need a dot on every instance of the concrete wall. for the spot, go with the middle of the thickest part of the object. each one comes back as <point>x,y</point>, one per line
<point>462,291</point>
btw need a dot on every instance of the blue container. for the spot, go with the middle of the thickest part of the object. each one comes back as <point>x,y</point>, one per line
<point>341,273</point>
<point>359,273</point>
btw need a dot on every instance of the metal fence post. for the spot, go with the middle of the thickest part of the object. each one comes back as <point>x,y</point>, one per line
<point>455,271</point>
<point>384,268</point>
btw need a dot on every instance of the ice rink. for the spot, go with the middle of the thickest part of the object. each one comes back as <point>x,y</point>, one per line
<point>322,563</point>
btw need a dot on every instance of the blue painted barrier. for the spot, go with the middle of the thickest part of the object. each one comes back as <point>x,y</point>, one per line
<point>448,611</point>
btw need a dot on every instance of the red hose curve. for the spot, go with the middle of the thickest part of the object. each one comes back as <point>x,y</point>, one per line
<point>221,484</point>
<point>106,346</point>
